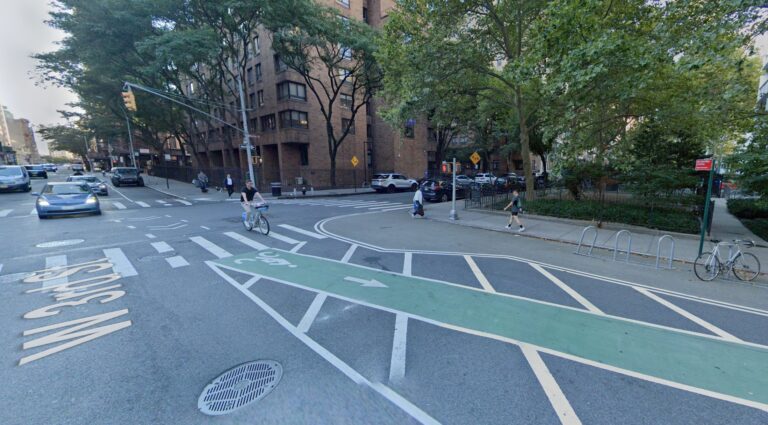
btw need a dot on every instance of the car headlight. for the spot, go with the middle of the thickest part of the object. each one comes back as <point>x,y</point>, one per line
<point>42,202</point>
<point>91,200</point>
<point>103,186</point>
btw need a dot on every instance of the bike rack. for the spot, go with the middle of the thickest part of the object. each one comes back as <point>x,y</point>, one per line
<point>581,240</point>
<point>671,250</point>
<point>616,244</point>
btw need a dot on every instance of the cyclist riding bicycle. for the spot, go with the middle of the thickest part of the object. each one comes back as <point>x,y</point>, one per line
<point>248,196</point>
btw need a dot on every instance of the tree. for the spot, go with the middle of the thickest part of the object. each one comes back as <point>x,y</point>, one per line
<point>751,159</point>
<point>66,138</point>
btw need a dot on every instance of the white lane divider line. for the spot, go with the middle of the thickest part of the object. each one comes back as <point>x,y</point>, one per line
<point>181,201</point>
<point>177,261</point>
<point>285,239</point>
<point>33,212</point>
<point>397,361</point>
<point>693,318</point>
<point>131,227</point>
<point>350,252</point>
<point>161,247</point>
<point>160,201</point>
<point>247,241</point>
<point>206,228</point>
<point>479,274</point>
<point>554,393</point>
<point>251,281</point>
<point>55,261</point>
<point>210,247</point>
<point>118,205</point>
<point>302,231</point>
<point>120,263</point>
<point>567,289</point>
<point>311,313</point>
<point>408,264</point>
<point>150,235</point>
<point>142,204</point>
<point>4,213</point>
<point>296,248</point>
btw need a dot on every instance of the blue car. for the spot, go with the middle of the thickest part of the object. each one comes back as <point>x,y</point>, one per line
<point>65,199</point>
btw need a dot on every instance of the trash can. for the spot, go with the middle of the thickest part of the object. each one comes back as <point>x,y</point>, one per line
<point>277,188</point>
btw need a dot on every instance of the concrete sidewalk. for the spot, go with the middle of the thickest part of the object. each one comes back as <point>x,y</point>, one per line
<point>645,242</point>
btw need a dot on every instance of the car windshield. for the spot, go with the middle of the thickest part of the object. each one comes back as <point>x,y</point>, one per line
<point>10,172</point>
<point>126,171</point>
<point>65,189</point>
<point>380,176</point>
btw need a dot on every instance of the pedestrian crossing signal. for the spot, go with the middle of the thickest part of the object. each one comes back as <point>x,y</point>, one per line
<point>130,100</point>
<point>447,167</point>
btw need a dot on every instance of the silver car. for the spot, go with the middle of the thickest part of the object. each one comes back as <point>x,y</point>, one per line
<point>14,177</point>
<point>94,183</point>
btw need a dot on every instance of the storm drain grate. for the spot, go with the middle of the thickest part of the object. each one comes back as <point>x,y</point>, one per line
<point>239,386</point>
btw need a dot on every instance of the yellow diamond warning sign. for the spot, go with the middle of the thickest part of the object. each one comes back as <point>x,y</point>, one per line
<point>354,161</point>
<point>475,157</point>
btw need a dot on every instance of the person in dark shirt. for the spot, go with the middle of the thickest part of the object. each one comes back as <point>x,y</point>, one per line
<point>249,194</point>
<point>514,207</point>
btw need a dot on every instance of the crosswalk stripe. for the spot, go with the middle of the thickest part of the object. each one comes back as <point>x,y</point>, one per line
<point>247,241</point>
<point>210,247</point>
<point>183,202</point>
<point>383,207</point>
<point>397,209</point>
<point>33,212</point>
<point>55,261</point>
<point>374,204</point>
<point>118,205</point>
<point>4,213</point>
<point>285,239</point>
<point>142,204</point>
<point>150,235</point>
<point>120,263</point>
<point>160,201</point>
<point>161,247</point>
<point>302,231</point>
<point>177,261</point>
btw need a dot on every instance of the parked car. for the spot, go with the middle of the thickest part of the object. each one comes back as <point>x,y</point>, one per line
<point>462,180</point>
<point>391,182</point>
<point>36,171</point>
<point>51,168</point>
<point>77,167</point>
<point>126,175</point>
<point>485,178</point>
<point>61,198</point>
<point>441,190</point>
<point>97,186</point>
<point>14,177</point>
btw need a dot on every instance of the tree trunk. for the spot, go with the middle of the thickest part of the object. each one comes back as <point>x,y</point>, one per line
<point>525,148</point>
<point>332,150</point>
<point>543,163</point>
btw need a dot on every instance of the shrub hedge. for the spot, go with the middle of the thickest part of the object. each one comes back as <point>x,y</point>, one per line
<point>748,208</point>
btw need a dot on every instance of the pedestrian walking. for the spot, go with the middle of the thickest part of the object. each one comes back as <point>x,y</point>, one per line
<point>202,180</point>
<point>418,203</point>
<point>514,207</point>
<point>230,185</point>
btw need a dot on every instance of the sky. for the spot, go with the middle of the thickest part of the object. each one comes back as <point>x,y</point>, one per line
<point>23,32</point>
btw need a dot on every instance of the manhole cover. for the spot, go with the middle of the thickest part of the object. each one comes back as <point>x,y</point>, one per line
<point>56,244</point>
<point>237,387</point>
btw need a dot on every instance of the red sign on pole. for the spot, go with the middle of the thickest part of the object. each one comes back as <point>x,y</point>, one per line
<point>704,164</point>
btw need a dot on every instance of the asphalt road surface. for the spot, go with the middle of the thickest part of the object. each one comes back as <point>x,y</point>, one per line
<point>373,316</point>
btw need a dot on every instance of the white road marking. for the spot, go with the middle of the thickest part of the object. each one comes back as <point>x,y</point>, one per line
<point>120,263</point>
<point>177,261</point>
<point>168,215</point>
<point>181,201</point>
<point>339,364</point>
<point>206,228</point>
<point>302,231</point>
<point>161,247</point>
<point>118,205</point>
<point>348,255</point>
<point>285,239</point>
<point>4,213</point>
<point>397,361</point>
<point>131,227</point>
<point>311,313</point>
<point>142,204</point>
<point>374,204</point>
<point>55,261</point>
<point>251,281</point>
<point>384,207</point>
<point>33,212</point>
<point>296,248</point>
<point>210,247</point>
<point>120,193</point>
<point>248,241</point>
<point>553,391</point>
<point>160,201</point>
<point>408,263</point>
<point>150,235</point>
<point>479,274</point>
<point>575,295</point>
<point>397,209</point>
<point>695,319</point>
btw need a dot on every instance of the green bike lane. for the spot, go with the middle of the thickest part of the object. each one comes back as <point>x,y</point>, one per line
<point>731,371</point>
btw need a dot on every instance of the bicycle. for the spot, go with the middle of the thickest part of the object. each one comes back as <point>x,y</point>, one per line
<point>256,219</point>
<point>744,265</point>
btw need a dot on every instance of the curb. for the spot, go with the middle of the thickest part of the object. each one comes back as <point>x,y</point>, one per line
<point>330,195</point>
<point>165,193</point>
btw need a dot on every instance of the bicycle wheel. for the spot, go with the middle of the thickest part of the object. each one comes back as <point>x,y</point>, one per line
<point>706,267</point>
<point>248,222</point>
<point>746,266</point>
<point>263,225</point>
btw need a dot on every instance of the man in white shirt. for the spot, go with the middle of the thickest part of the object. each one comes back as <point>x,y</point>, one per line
<point>418,203</point>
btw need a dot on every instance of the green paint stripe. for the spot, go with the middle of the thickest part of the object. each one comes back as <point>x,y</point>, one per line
<point>724,367</point>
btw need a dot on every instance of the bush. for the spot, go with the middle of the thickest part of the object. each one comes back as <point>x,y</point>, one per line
<point>748,208</point>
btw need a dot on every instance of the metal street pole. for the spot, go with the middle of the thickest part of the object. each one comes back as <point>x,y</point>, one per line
<point>246,136</point>
<point>130,139</point>
<point>705,221</point>
<point>452,215</point>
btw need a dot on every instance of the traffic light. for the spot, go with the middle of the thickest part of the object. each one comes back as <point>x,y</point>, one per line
<point>447,167</point>
<point>130,100</point>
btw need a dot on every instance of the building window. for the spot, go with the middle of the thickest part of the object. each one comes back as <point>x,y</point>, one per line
<point>256,46</point>
<point>369,131</point>
<point>409,128</point>
<point>291,90</point>
<point>268,122</point>
<point>348,124</point>
<point>365,15</point>
<point>249,76</point>
<point>345,52</point>
<point>279,64</point>
<point>344,3</point>
<point>346,101</point>
<point>253,124</point>
<point>258,72</point>
<point>304,154</point>
<point>293,119</point>
<point>260,96</point>
<point>344,74</point>
<point>252,100</point>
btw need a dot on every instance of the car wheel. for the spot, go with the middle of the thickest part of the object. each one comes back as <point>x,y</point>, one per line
<point>391,188</point>
<point>444,197</point>
<point>141,183</point>
<point>116,184</point>
<point>97,212</point>
<point>28,189</point>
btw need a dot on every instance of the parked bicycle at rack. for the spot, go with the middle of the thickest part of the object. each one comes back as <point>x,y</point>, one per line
<point>744,265</point>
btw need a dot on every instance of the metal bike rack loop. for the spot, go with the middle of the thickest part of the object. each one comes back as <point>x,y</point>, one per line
<point>581,240</point>
<point>671,250</point>
<point>616,244</point>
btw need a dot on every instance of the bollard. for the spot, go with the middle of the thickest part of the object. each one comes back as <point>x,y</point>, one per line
<point>304,190</point>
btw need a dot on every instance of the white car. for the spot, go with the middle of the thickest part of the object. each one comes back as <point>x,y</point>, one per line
<point>391,182</point>
<point>485,178</point>
<point>462,180</point>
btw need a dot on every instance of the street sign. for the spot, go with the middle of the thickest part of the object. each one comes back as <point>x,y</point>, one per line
<point>475,157</point>
<point>704,164</point>
<point>354,161</point>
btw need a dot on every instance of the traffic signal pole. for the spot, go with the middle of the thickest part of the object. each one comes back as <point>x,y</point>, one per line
<point>452,215</point>
<point>130,138</point>
<point>246,135</point>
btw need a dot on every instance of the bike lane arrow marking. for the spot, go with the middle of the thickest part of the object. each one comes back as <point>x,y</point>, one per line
<point>371,283</point>
<point>732,371</point>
